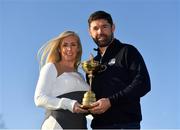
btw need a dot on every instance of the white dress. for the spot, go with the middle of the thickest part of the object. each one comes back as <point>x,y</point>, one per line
<point>50,86</point>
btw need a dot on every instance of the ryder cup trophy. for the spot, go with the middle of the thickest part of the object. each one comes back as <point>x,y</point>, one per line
<point>90,67</point>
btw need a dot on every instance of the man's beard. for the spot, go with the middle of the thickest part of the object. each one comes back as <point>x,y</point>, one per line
<point>105,42</point>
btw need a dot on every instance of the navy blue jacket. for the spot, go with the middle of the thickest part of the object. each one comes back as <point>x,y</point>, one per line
<point>125,80</point>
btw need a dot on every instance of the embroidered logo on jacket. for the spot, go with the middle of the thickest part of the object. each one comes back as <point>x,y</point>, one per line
<point>112,61</point>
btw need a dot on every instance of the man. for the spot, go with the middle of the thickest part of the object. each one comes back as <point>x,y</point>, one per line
<point>119,88</point>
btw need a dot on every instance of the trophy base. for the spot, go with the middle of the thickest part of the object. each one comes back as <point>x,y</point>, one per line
<point>88,99</point>
<point>86,106</point>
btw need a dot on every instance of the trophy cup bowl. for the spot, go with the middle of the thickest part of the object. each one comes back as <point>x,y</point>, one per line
<point>90,66</point>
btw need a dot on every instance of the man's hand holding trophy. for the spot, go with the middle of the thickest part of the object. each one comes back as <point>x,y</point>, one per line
<point>89,67</point>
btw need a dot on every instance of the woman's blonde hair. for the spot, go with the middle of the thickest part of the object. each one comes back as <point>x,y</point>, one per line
<point>50,52</point>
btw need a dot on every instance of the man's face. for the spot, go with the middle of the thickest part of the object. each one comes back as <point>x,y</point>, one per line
<point>101,32</point>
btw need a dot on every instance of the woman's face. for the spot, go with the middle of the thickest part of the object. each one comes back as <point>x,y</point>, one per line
<point>69,48</point>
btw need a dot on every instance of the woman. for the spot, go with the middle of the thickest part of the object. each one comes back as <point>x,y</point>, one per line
<point>60,87</point>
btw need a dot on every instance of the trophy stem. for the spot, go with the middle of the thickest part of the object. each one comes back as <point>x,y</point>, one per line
<point>90,76</point>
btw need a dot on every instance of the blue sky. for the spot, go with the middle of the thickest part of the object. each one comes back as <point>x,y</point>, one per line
<point>153,26</point>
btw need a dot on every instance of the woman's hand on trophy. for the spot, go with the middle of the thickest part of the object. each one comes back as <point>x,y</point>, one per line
<point>100,106</point>
<point>78,109</point>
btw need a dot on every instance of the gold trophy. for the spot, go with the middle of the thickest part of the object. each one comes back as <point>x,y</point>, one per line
<point>90,67</point>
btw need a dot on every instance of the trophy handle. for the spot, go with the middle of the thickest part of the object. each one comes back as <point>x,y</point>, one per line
<point>102,68</point>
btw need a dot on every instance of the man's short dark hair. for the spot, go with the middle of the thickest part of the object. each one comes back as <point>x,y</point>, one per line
<point>100,15</point>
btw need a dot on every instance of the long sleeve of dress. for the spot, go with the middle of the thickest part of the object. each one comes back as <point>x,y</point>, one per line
<point>43,96</point>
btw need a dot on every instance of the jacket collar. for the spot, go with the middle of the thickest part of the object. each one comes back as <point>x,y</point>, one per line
<point>111,51</point>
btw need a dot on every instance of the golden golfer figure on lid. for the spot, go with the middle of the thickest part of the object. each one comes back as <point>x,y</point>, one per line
<point>89,67</point>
